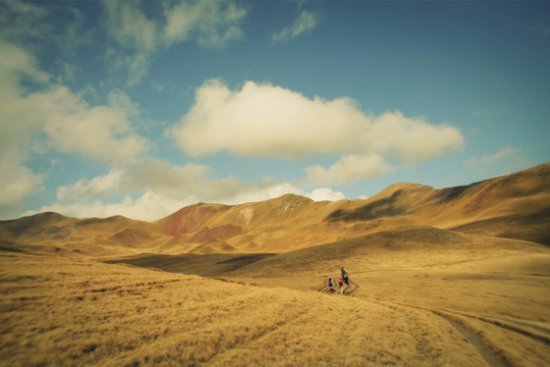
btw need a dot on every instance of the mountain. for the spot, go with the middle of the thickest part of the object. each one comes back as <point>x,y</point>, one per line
<point>53,232</point>
<point>514,206</point>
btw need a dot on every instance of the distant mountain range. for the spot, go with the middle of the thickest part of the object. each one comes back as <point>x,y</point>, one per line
<point>513,206</point>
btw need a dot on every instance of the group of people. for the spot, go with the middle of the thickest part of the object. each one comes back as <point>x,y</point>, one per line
<point>342,284</point>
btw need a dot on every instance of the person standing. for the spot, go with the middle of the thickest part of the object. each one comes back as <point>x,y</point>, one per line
<point>345,275</point>
<point>330,285</point>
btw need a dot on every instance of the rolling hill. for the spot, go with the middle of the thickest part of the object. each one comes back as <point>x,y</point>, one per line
<point>512,206</point>
<point>439,277</point>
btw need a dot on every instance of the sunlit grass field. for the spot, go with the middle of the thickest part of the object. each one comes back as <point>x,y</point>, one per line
<point>75,311</point>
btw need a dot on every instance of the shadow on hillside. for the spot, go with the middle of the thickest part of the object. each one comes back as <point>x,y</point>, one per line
<point>208,265</point>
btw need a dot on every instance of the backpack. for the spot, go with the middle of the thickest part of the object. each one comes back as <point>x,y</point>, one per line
<point>330,282</point>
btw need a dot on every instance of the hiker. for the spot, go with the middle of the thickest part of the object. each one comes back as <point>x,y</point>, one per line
<point>341,284</point>
<point>345,275</point>
<point>330,285</point>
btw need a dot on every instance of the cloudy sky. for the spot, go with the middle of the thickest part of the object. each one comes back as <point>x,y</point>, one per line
<point>140,108</point>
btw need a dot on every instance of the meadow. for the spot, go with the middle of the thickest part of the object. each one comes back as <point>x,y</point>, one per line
<point>484,308</point>
<point>439,277</point>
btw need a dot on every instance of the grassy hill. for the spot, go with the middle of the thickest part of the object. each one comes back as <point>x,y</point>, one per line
<point>56,312</point>
<point>512,206</point>
<point>439,277</point>
<point>489,309</point>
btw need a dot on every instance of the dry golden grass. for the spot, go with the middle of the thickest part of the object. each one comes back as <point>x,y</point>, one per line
<point>72,312</point>
<point>494,290</point>
<point>420,296</point>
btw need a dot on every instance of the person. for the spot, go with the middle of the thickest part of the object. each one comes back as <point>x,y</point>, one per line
<point>330,285</point>
<point>345,275</point>
<point>341,284</point>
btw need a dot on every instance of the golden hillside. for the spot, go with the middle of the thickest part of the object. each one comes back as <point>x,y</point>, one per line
<point>409,304</point>
<point>432,284</point>
<point>513,206</point>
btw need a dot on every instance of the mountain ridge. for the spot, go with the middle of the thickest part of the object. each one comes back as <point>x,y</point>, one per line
<point>513,206</point>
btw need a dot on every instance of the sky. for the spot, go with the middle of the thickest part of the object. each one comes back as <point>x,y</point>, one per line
<point>139,108</point>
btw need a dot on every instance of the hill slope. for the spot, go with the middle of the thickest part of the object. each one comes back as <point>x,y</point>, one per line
<point>56,312</point>
<point>513,206</point>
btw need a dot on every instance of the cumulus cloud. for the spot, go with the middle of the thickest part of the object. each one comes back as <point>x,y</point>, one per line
<point>148,206</point>
<point>154,188</point>
<point>139,36</point>
<point>53,118</point>
<point>16,128</point>
<point>262,120</point>
<point>348,169</point>
<point>108,184</point>
<point>18,181</point>
<point>325,194</point>
<point>305,22</point>
<point>103,133</point>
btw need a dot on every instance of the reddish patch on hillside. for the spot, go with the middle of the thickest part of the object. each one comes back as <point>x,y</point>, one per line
<point>189,219</point>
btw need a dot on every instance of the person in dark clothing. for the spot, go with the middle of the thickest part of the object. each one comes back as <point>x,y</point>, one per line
<point>345,275</point>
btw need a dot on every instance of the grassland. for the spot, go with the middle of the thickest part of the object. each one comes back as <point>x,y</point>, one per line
<point>69,312</point>
<point>484,308</point>
<point>440,277</point>
<point>492,291</point>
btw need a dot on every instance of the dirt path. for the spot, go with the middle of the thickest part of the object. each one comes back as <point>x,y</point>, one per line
<point>488,355</point>
<point>538,337</point>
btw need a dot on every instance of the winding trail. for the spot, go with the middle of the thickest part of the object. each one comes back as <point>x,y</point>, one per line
<point>489,356</point>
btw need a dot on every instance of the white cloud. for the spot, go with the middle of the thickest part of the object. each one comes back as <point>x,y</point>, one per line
<point>129,26</point>
<point>53,119</point>
<point>17,182</point>
<point>325,193</point>
<point>149,206</point>
<point>155,204</point>
<point>29,24</point>
<point>108,184</point>
<point>266,120</point>
<point>139,176</point>
<point>138,36</point>
<point>16,16</point>
<point>152,205</point>
<point>305,22</point>
<point>348,169</point>
<point>213,23</point>
<point>102,133</point>
<point>69,124</point>
<point>163,188</point>
<point>14,63</point>
<point>16,129</point>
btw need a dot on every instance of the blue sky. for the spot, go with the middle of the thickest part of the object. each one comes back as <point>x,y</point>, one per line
<point>140,108</point>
